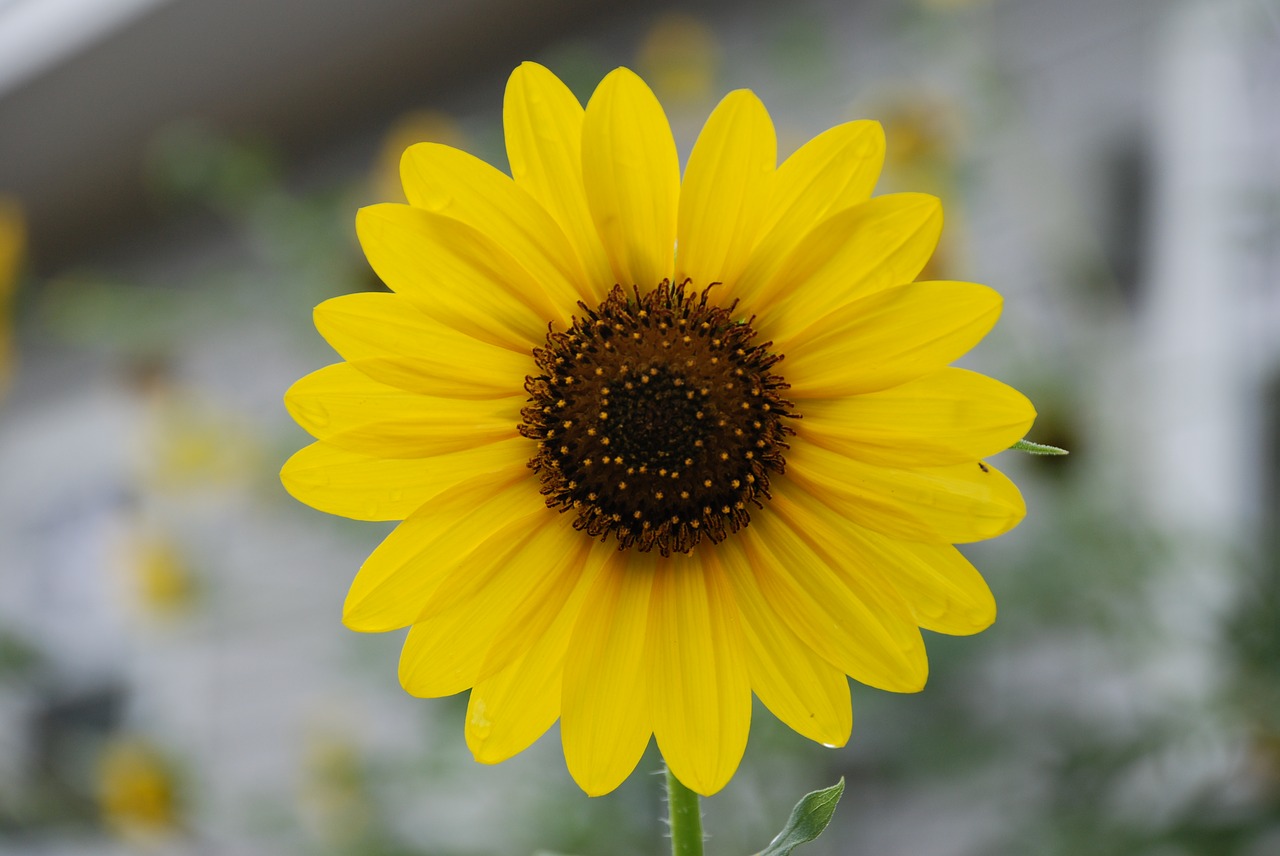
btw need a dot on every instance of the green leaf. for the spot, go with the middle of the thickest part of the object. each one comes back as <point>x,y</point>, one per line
<point>810,816</point>
<point>1037,448</point>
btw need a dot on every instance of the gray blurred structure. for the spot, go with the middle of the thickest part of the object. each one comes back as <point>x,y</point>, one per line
<point>1141,137</point>
<point>86,84</point>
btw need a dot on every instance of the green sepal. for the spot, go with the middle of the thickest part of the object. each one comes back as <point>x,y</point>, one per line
<point>1037,448</point>
<point>808,819</point>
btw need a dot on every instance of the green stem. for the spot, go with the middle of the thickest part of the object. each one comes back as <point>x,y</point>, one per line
<point>685,816</point>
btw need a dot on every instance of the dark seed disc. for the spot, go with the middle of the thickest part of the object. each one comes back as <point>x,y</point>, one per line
<point>657,419</point>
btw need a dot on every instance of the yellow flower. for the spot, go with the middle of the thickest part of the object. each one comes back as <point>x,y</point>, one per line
<point>334,793</point>
<point>137,792</point>
<point>12,240</point>
<point>163,582</point>
<point>925,129</point>
<point>679,55</point>
<point>418,126</point>
<point>622,507</point>
<point>191,442</point>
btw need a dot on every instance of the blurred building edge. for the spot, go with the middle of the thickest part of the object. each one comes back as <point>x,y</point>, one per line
<point>1206,355</point>
<point>96,79</point>
<point>1193,341</point>
<point>1206,341</point>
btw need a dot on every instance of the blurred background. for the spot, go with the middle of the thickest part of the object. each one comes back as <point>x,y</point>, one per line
<point>179,181</point>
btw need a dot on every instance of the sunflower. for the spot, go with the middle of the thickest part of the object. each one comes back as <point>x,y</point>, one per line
<point>657,444</point>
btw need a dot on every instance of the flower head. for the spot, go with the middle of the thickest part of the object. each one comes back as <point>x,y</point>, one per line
<point>12,243</point>
<point>137,790</point>
<point>657,444</point>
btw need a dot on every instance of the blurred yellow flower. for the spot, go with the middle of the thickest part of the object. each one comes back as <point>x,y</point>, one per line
<point>418,126</point>
<point>925,129</point>
<point>952,5</point>
<point>193,443</point>
<point>13,239</point>
<point>137,790</point>
<point>334,794</point>
<point>680,57</point>
<point>621,507</point>
<point>162,581</point>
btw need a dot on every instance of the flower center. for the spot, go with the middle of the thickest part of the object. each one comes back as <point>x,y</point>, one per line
<point>657,419</point>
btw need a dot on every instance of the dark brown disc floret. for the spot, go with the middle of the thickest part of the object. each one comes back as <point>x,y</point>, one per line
<point>657,419</point>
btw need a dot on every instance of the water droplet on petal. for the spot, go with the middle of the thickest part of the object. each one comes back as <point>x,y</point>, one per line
<point>480,724</point>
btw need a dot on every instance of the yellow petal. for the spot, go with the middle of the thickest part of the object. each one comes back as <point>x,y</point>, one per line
<point>727,185</point>
<point>462,187</point>
<point>867,634</point>
<point>632,177</point>
<point>347,409</point>
<point>835,170</point>
<point>946,592</point>
<point>361,487</point>
<point>513,708</point>
<point>940,588</point>
<point>573,571</point>
<point>509,711</point>
<point>394,584</point>
<point>550,553</point>
<point>387,338</point>
<point>889,338</point>
<point>605,723</point>
<point>947,417</point>
<point>442,658</point>
<point>450,644</point>
<point>701,691</point>
<point>799,687</point>
<point>851,254</point>
<point>458,275</point>
<point>543,124</point>
<point>953,504</point>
